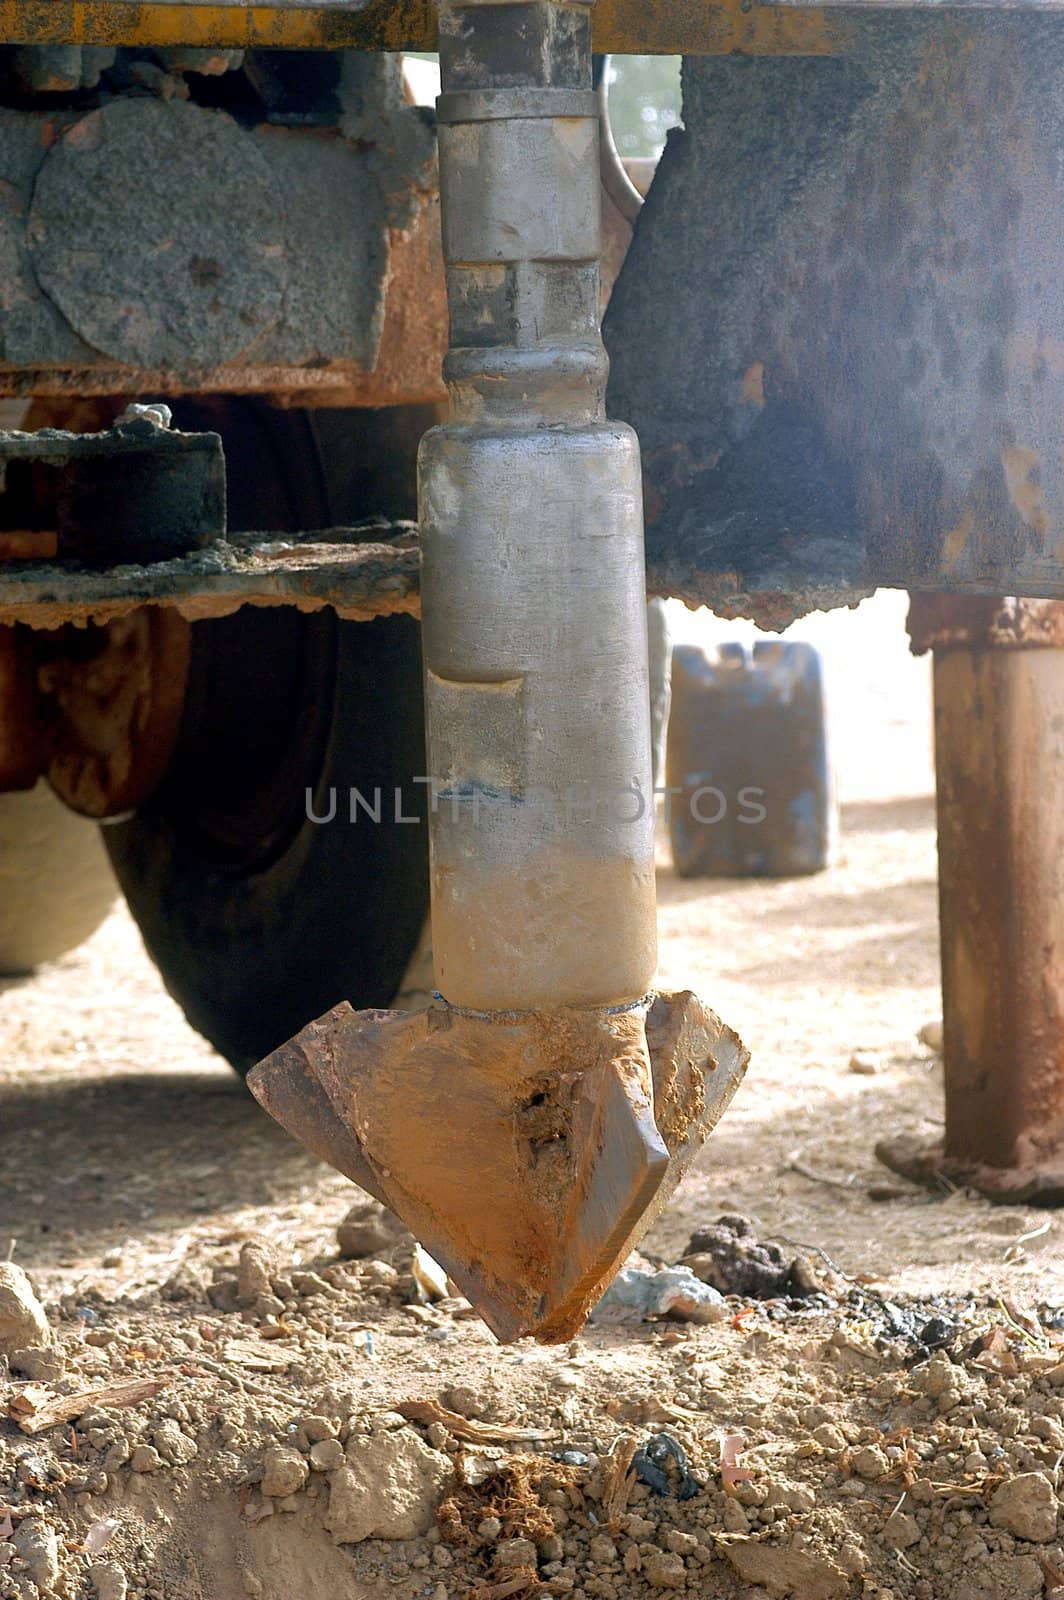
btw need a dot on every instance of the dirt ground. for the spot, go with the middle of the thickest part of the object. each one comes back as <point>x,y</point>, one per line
<point>889,1424</point>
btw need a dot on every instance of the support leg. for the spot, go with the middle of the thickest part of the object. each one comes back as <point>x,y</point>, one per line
<point>999,753</point>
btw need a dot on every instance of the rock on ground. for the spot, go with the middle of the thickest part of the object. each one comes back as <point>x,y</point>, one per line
<point>389,1489</point>
<point>108,1580</point>
<point>368,1229</point>
<point>23,1324</point>
<point>787,1572</point>
<point>36,1544</point>
<point>1026,1506</point>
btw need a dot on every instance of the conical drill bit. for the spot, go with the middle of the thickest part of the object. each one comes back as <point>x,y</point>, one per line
<point>523,1152</point>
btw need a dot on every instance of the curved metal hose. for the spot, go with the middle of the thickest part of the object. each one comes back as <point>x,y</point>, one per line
<point>616,182</point>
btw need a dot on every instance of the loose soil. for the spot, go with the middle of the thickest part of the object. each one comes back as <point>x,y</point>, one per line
<point>895,1429</point>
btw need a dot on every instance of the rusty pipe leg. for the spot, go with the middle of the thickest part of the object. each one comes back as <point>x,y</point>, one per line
<point>999,752</point>
<point>527,1125</point>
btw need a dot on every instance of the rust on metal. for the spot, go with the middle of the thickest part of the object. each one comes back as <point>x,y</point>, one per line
<point>575,1127</point>
<point>307,264</point>
<point>859,381</point>
<point>136,492</point>
<point>983,622</point>
<point>112,698</point>
<point>639,27</point>
<point>28,544</point>
<point>22,746</point>
<point>361,580</point>
<point>999,750</point>
<point>405,369</point>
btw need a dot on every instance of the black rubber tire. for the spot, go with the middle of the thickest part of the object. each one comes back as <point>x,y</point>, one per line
<point>259,918</point>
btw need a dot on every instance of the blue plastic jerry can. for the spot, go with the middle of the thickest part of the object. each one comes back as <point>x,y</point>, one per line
<point>750,788</point>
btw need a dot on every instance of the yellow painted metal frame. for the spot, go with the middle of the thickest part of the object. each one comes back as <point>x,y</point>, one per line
<point>640,27</point>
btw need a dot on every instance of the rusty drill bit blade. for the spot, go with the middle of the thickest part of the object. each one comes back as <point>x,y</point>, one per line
<point>292,1091</point>
<point>522,1151</point>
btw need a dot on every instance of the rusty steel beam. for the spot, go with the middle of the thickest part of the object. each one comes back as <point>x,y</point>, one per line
<point>639,27</point>
<point>999,751</point>
<point>361,577</point>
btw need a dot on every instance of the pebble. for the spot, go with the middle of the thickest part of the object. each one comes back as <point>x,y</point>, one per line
<point>23,1324</point>
<point>864,1064</point>
<point>489,1529</point>
<point>145,1458</point>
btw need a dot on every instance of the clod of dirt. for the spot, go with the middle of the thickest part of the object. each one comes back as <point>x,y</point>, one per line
<point>256,1271</point>
<point>389,1489</point>
<point>22,1320</point>
<point>186,1283</point>
<point>901,1531</point>
<point>108,1580</point>
<point>664,1570</point>
<point>283,1471</point>
<point>174,1446</point>
<point>326,1455</point>
<point>785,1571</point>
<point>729,1256</point>
<point>40,1363</point>
<point>467,1402</point>
<point>36,1544</point>
<point>1027,1506</point>
<point>511,1553</point>
<point>368,1229</point>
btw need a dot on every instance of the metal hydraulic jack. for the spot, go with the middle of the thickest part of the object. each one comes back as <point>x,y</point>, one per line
<point>528,1125</point>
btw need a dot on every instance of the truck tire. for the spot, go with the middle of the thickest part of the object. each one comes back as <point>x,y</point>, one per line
<point>56,884</point>
<point>259,917</point>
